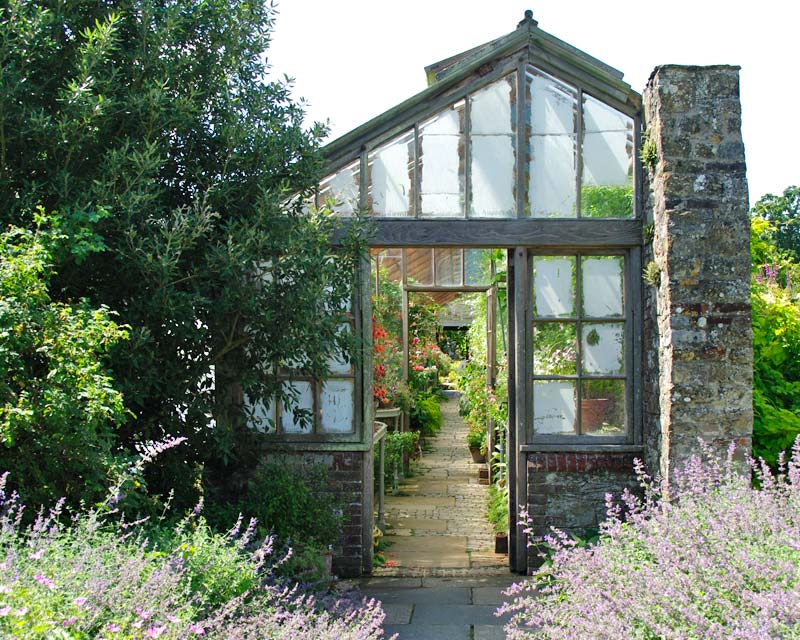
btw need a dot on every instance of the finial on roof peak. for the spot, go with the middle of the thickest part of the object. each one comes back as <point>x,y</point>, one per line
<point>528,19</point>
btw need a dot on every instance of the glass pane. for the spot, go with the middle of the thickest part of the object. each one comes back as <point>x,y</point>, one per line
<point>477,267</point>
<point>336,404</point>
<point>601,345</point>
<point>603,407</point>
<point>493,158</point>
<point>553,287</point>
<point>260,416</point>
<point>340,363</point>
<point>442,163</point>
<point>602,286</point>
<point>607,189</point>
<point>390,170</point>
<point>419,266</point>
<point>554,407</point>
<point>342,189</point>
<point>302,419</point>
<point>552,167</point>
<point>390,264</point>
<point>448,267</point>
<point>554,349</point>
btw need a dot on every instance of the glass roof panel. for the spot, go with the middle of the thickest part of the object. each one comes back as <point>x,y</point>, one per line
<point>341,190</point>
<point>391,176</point>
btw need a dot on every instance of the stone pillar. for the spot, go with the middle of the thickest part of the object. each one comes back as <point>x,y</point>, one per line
<point>699,338</point>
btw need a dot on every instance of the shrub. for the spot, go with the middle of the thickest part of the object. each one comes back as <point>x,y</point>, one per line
<point>94,578</point>
<point>398,446</point>
<point>426,415</point>
<point>497,508</point>
<point>717,559</point>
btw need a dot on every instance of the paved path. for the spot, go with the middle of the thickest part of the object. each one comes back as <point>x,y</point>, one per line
<point>446,582</point>
<point>437,525</point>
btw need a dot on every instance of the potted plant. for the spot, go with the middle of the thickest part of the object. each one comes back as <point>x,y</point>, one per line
<point>476,441</point>
<point>598,395</point>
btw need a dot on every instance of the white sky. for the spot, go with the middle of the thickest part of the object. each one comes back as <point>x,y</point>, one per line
<point>354,59</point>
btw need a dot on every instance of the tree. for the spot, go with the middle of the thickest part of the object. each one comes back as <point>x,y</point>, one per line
<point>148,129</point>
<point>783,213</point>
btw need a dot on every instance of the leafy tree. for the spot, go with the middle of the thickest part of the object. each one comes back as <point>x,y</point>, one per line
<point>149,128</point>
<point>783,213</point>
<point>58,406</point>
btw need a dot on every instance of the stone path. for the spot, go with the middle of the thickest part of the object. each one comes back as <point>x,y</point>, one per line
<point>437,525</point>
<point>446,582</point>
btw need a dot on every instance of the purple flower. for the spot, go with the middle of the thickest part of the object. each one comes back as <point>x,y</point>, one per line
<point>197,629</point>
<point>47,582</point>
<point>113,628</point>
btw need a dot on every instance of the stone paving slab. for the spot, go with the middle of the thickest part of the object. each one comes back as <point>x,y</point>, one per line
<point>427,632</point>
<point>443,595</point>
<point>488,633</point>
<point>472,614</point>
<point>429,524</point>
<point>399,613</point>
<point>423,501</point>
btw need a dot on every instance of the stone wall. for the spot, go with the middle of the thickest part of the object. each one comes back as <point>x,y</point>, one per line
<point>698,341</point>
<point>350,472</point>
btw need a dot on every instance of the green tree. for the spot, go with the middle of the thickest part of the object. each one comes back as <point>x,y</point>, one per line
<point>172,164</point>
<point>783,214</point>
<point>58,406</point>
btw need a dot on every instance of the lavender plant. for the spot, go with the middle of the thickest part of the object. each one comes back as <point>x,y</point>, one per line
<point>707,557</point>
<point>86,576</point>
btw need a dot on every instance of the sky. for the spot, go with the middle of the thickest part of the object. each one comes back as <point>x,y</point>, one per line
<point>354,59</point>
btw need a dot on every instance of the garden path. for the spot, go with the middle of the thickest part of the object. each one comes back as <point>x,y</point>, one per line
<point>437,525</point>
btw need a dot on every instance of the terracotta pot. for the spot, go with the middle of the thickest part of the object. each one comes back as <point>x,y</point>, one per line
<point>593,410</point>
<point>477,456</point>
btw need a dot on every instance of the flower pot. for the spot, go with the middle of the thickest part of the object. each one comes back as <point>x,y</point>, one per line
<point>501,542</point>
<point>477,456</point>
<point>593,411</point>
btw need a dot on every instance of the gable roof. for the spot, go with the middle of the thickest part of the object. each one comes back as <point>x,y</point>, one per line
<point>453,71</point>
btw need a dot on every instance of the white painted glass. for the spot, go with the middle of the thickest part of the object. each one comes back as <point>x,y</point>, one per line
<point>340,363</point>
<point>602,346</point>
<point>336,405</point>
<point>554,409</point>
<point>493,159</point>
<point>602,286</point>
<point>552,168</point>
<point>260,415</point>
<point>291,421</point>
<point>607,189</point>
<point>341,190</point>
<point>442,163</point>
<point>554,287</point>
<point>390,170</point>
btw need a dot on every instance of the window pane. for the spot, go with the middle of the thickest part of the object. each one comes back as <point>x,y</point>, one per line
<point>442,163</point>
<point>553,287</point>
<point>390,264</point>
<point>448,267</point>
<point>390,170</point>
<point>260,416</point>
<point>601,345</point>
<point>340,363</point>
<point>554,407</point>
<point>336,404</point>
<point>602,286</point>
<point>477,267</point>
<point>343,189</point>
<point>607,189</point>
<point>419,267</point>
<point>603,407</point>
<point>301,420</point>
<point>552,168</point>
<point>492,127</point>
<point>554,349</point>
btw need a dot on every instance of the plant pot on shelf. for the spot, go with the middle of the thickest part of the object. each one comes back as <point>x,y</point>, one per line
<point>477,456</point>
<point>593,411</point>
<point>501,542</point>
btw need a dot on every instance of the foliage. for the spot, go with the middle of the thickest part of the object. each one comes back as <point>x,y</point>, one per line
<point>476,438</point>
<point>97,578</point>
<point>717,559</point>
<point>295,505</point>
<point>399,446</point>
<point>776,343</point>
<point>497,508</point>
<point>58,406</point>
<point>607,201</point>
<point>783,214</point>
<point>149,128</point>
<point>389,387</point>
<point>426,415</point>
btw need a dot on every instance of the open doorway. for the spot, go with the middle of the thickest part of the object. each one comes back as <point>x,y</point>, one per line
<point>440,372</point>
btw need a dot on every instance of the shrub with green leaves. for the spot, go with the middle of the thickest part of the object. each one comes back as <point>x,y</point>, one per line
<point>58,404</point>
